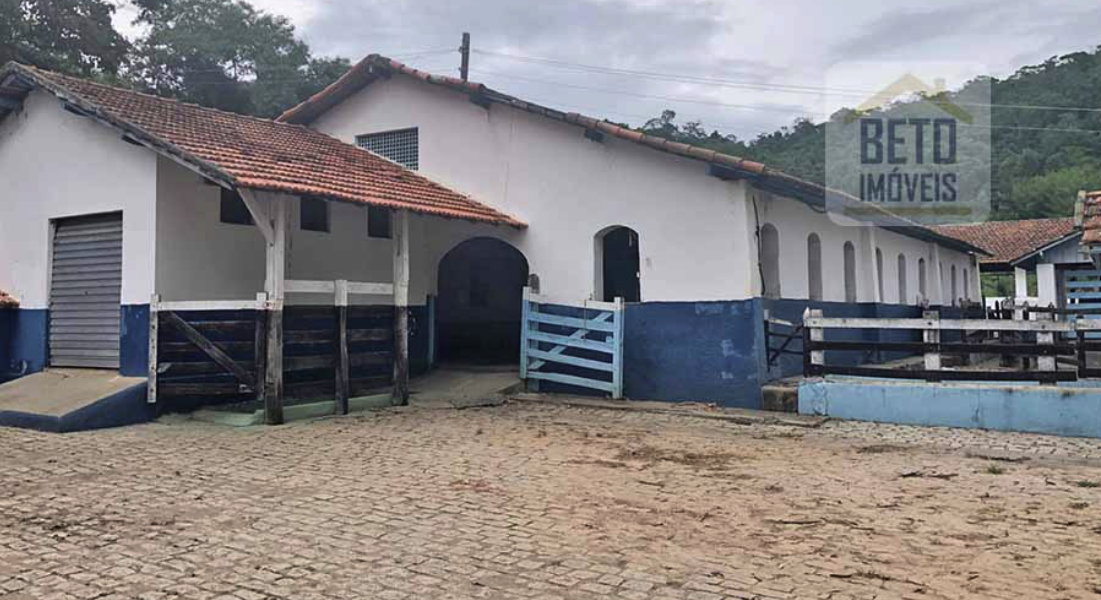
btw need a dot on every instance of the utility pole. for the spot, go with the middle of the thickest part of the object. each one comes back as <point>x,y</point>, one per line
<point>464,50</point>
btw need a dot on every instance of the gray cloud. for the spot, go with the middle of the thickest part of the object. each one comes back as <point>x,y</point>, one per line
<point>751,41</point>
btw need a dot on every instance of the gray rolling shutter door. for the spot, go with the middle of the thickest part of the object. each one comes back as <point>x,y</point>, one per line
<point>86,292</point>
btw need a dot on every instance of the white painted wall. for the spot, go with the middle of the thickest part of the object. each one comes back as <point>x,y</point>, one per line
<point>696,233</point>
<point>569,188</point>
<point>201,258</point>
<point>54,164</point>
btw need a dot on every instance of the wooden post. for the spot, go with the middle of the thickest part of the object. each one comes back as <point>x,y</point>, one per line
<point>932,336</point>
<point>401,307</point>
<point>525,312</point>
<point>275,286</point>
<point>260,351</point>
<point>464,53</point>
<point>817,334</point>
<point>1044,363</point>
<point>342,363</point>
<point>617,356</point>
<point>1082,354</point>
<point>529,326</point>
<point>154,331</point>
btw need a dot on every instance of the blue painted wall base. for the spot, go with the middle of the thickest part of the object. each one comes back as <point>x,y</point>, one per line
<point>1034,409</point>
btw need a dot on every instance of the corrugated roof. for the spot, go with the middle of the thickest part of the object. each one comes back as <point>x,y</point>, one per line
<point>256,153</point>
<point>1009,241</point>
<point>376,66</point>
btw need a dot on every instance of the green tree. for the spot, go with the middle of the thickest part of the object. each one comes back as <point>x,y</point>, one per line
<point>228,55</point>
<point>69,36</point>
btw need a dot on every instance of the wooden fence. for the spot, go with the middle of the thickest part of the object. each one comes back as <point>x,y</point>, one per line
<point>216,352</point>
<point>1047,343</point>
<point>581,341</point>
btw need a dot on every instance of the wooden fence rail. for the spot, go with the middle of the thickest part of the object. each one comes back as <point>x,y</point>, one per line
<point>581,341</point>
<point>1037,340</point>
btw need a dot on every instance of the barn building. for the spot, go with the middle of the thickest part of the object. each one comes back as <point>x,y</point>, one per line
<point>115,200</point>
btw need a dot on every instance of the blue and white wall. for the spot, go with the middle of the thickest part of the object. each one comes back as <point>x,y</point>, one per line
<point>55,164</point>
<point>697,334</point>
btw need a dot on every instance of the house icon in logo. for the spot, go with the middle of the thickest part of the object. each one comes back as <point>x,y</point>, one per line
<point>907,85</point>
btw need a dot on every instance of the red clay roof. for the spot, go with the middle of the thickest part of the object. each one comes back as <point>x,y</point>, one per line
<point>7,301</point>
<point>262,154</point>
<point>1008,241</point>
<point>1091,219</point>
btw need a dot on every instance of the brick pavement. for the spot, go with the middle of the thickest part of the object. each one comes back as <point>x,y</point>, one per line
<point>544,502</point>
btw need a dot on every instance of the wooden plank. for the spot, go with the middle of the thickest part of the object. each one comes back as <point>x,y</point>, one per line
<point>400,242</point>
<point>293,364</point>
<point>302,286</point>
<point>343,368</point>
<point>949,375</point>
<point>201,305</point>
<point>525,321</point>
<point>617,356</point>
<point>169,388</point>
<point>360,288</point>
<point>369,359</point>
<point>370,335</point>
<point>1053,349</point>
<point>571,342</point>
<point>950,324</point>
<point>173,348</point>
<point>154,327</point>
<point>210,349</point>
<point>587,304</point>
<point>590,324</point>
<point>575,361</point>
<point>260,352</point>
<point>607,316</point>
<point>574,380</point>
<point>179,369</point>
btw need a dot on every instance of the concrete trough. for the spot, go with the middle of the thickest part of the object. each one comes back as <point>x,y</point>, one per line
<point>1065,410</point>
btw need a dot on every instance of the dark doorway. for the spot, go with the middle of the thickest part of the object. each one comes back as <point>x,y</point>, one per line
<point>481,290</point>
<point>620,265</point>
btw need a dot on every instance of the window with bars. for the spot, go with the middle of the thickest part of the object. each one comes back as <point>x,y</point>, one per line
<point>400,146</point>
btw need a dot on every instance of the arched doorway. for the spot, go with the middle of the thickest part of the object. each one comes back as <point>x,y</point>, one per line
<point>479,304</point>
<point>619,264</point>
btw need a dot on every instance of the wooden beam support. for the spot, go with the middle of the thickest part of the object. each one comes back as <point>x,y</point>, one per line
<point>260,352</point>
<point>343,367</point>
<point>400,241</point>
<point>154,333</point>
<point>259,215</point>
<point>275,287</point>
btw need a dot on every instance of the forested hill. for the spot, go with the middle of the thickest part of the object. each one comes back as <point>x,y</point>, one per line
<point>1041,157</point>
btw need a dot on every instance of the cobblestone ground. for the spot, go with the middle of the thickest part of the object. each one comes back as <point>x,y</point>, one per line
<point>527,501</point>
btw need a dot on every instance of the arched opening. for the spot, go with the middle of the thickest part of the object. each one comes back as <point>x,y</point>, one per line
<point>618,264</point>
<point>770,261</point>
<point>850,272</point>
<point>921,279</point>
<point>814,267</point>
<point>480,294</point>
<point>879,275</point>
<point>902,279</point>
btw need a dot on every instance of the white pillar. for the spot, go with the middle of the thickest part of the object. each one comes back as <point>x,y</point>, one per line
<point>1045,279</point>
<point>1020,290</point>
<point>936,276</point>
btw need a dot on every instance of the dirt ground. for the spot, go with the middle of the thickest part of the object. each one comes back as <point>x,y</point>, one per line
<point>532,501</point>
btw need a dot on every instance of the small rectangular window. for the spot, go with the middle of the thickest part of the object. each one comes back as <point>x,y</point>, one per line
<point>314,214</point>
<point>378,222</point>
<point>233,209</point>
<point>400,146</point>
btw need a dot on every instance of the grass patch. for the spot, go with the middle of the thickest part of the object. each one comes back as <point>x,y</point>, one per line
<point>1087,483</point>
<point>995,469</point>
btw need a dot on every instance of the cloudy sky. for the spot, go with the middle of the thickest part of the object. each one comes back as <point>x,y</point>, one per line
<point>741,66</point>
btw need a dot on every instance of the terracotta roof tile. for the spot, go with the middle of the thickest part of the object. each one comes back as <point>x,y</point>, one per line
<point>1008,241</point>
<point>1091,215</point>
<point>268,155</point>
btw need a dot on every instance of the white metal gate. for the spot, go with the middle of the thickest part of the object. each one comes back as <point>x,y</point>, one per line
<point>86,292</point>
